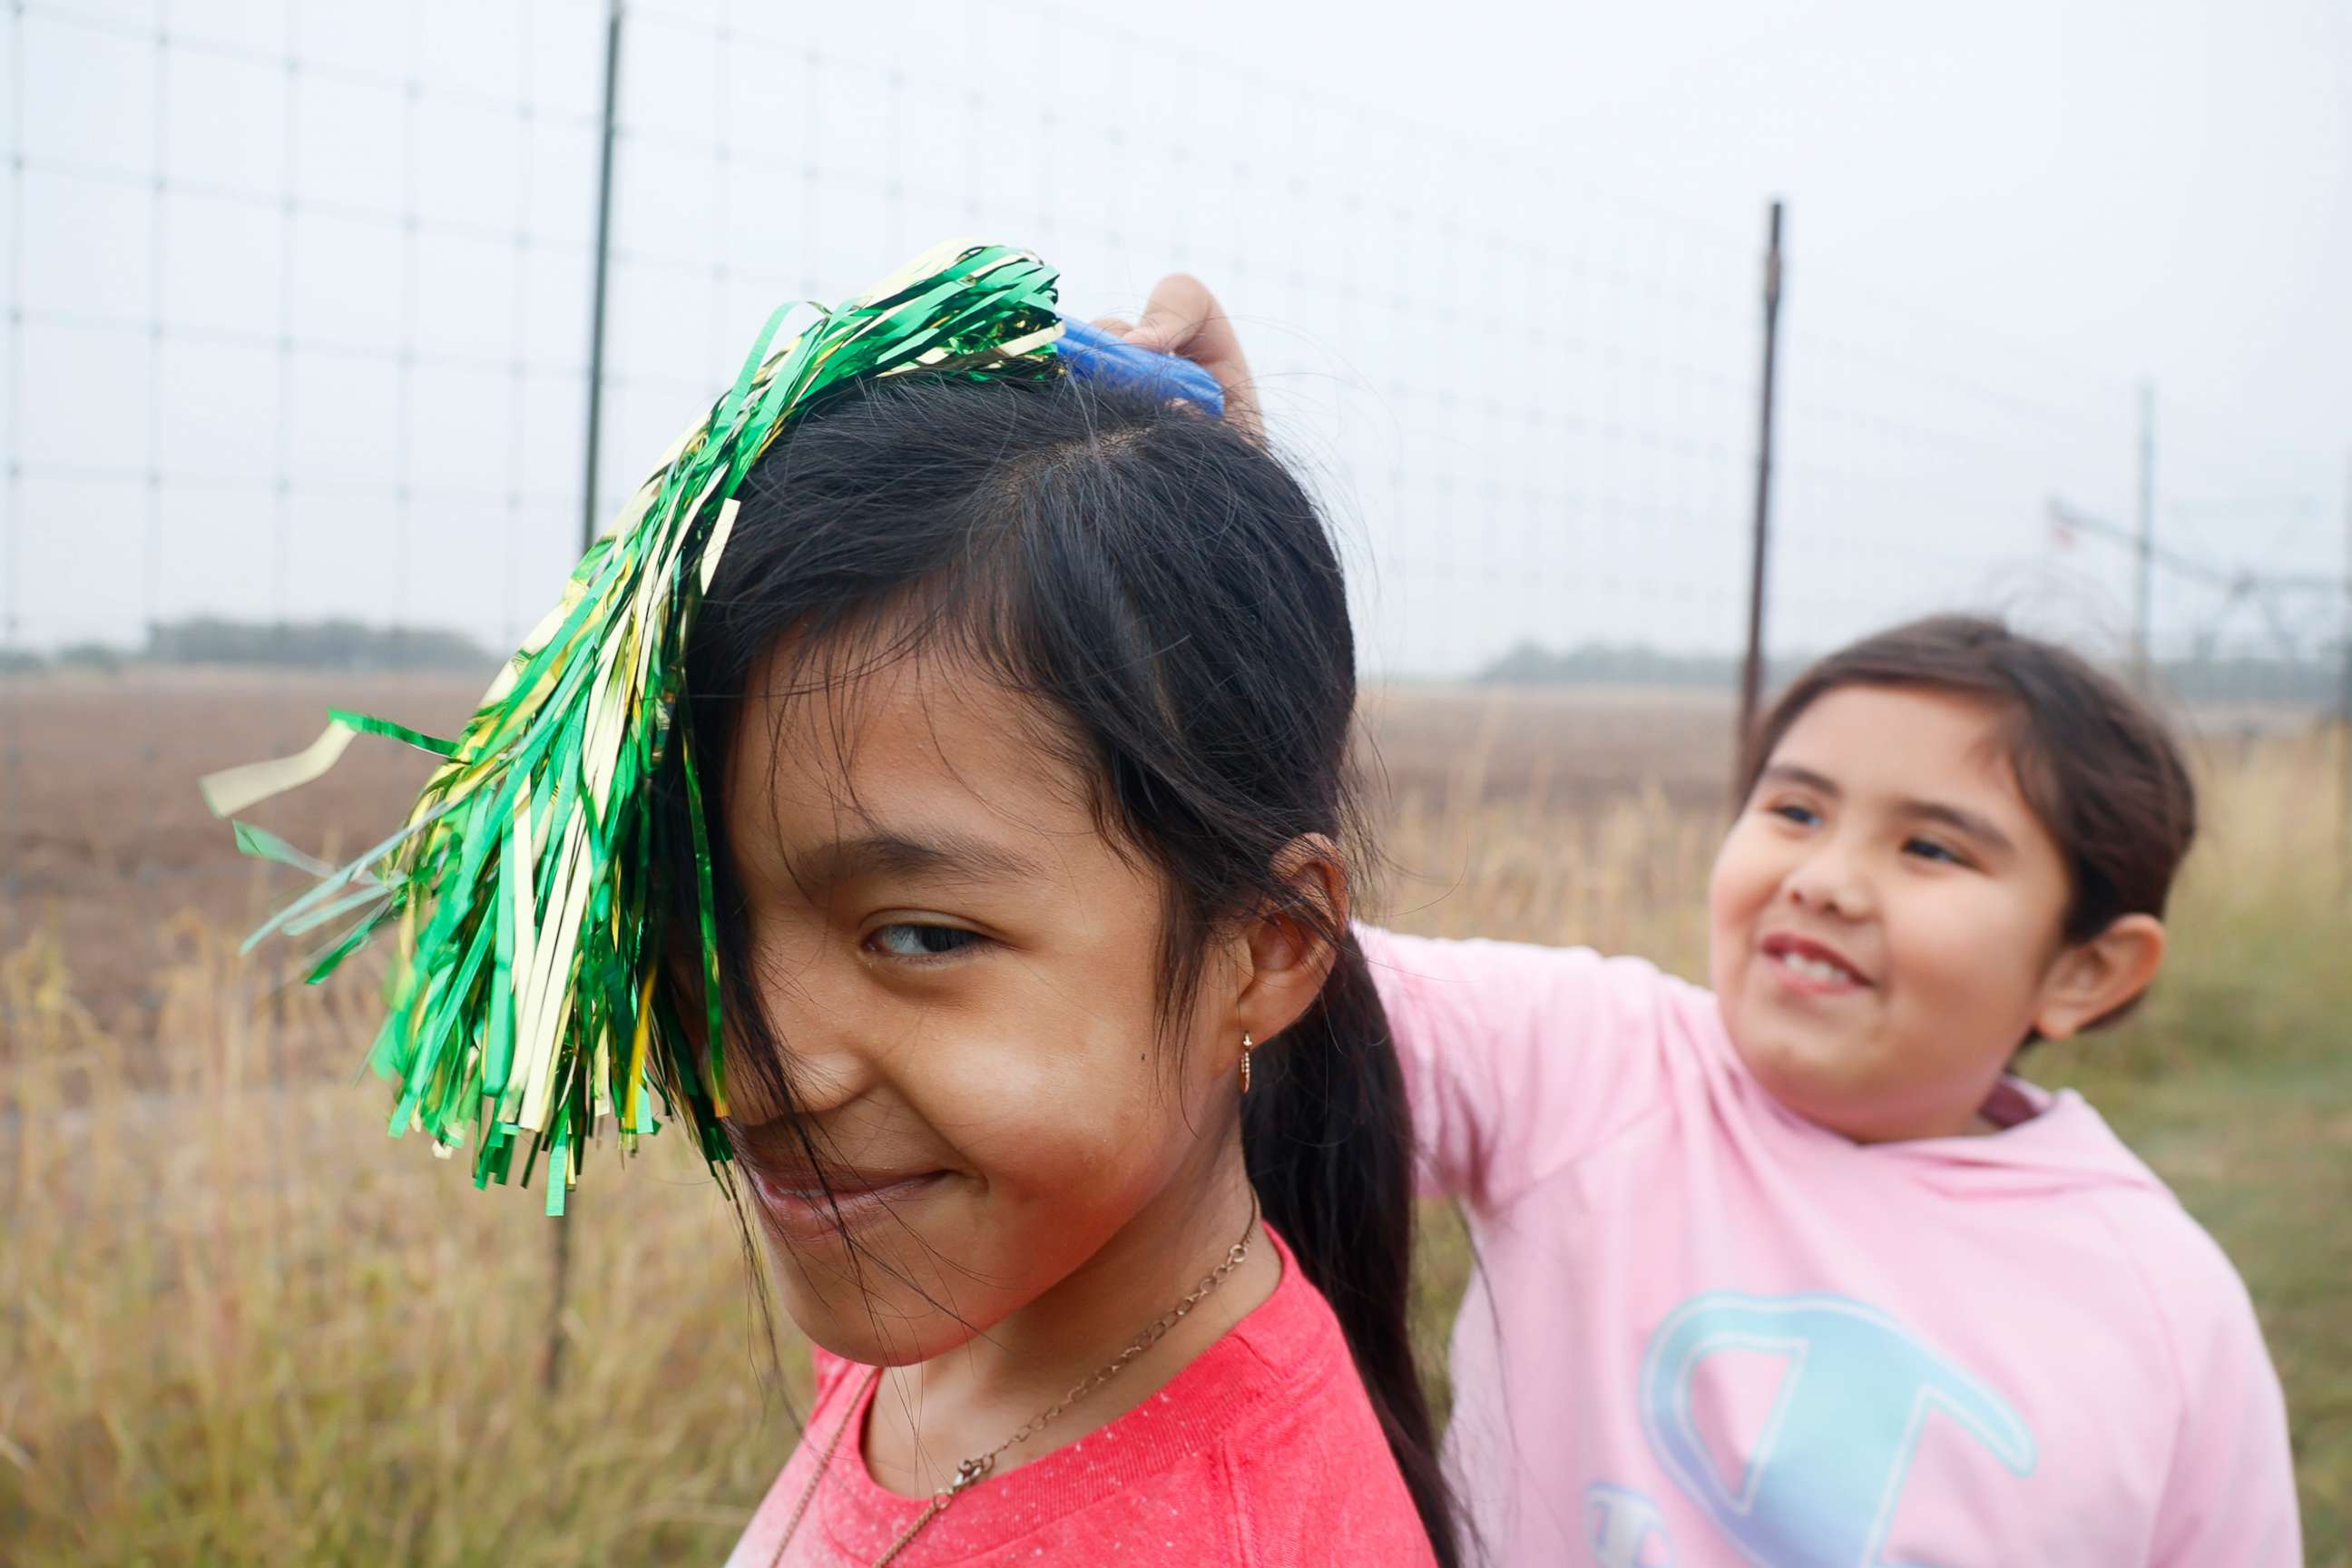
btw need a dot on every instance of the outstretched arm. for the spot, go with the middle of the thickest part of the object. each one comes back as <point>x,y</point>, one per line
<point>1519,1060</point>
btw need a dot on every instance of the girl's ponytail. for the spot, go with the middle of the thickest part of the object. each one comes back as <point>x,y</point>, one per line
<point>1329,1145</point>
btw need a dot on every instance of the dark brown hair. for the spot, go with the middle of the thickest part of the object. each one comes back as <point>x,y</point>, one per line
<point>2096,764</point>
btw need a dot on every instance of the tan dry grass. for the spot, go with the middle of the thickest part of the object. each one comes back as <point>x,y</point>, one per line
<point>245,1325</point>
<point>239,1324</point>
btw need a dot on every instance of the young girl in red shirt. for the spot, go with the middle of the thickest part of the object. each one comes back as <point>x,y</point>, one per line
<point>1059,1088</point>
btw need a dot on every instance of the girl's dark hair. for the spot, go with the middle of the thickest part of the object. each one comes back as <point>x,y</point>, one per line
<point>1169,595</point>
<point>2096,764</point>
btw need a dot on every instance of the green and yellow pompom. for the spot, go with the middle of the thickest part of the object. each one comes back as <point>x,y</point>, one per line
<point>523,1000</point>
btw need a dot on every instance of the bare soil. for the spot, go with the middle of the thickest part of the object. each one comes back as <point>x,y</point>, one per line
<point>105,843</point>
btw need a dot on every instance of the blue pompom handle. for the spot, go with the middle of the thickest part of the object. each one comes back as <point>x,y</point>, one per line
<point>1096,355</point>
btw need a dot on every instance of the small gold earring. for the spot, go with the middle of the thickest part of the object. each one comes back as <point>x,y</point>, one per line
<point>1248,1046</point>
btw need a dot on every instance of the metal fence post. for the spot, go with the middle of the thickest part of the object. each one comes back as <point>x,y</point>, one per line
<point>2144,581</point>
<point>560,1281</point>
<point>588,511</point>
<point>2343,711</point>
<point>1751,670</point>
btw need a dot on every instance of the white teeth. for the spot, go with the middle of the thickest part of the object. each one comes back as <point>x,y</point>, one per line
<point>1812,968</point>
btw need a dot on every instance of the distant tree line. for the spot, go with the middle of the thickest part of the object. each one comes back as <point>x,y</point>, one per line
<point>2205,678</point>
<point>1614,664</point>
<point>332,645</point>
<point>343,645</point>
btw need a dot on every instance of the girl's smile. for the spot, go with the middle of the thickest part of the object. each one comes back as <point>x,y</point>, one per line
<point>1811,968</point>
<point>802,1211</point>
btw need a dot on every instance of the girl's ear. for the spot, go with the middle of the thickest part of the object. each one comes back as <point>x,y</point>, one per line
<point>2092,979</point>
<point>1290,950</point>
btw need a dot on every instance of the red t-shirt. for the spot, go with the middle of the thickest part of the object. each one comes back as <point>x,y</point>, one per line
<point>1264,1452</point>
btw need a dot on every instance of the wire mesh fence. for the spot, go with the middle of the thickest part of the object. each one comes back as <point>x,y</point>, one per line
<point>299,308</point>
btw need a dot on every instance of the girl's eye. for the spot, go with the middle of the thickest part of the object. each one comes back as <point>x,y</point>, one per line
<point>1802,815</point>
<point>1928,849</point>
<point>908,939</point>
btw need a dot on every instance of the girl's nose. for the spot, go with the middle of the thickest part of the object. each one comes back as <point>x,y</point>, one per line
<point>828,1065</point>
<point>826,1079</point>
<point>1829,883</point>
<point>815,1082</point>
<point>820,1049</point>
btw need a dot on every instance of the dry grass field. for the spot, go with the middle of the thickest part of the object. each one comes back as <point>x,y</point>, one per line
<point>240,1325</point>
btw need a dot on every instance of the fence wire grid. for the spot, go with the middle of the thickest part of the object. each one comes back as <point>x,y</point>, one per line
<point>298,298</point>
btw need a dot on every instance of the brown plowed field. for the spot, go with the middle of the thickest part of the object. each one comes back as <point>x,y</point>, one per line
<point>104,841</point>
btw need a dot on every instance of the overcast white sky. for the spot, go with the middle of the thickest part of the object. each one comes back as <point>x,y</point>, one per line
<point>1498,263</point>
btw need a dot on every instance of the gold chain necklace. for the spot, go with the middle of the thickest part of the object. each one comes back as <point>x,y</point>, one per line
<point>974,1470</point>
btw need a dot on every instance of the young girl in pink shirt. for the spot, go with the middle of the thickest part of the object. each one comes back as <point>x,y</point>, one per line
<point>1792,1270</point>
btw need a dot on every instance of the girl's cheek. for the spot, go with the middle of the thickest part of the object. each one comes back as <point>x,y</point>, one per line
<point>1957,942</point>
<point>1037,1109</point>
<point>991,1099</point>
<point>1746,869</point>
<point>1739,885</point>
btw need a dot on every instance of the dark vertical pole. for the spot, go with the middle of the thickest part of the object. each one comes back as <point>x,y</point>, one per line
<point>2344,712</point>
<point>559,1288</point>
<point>1751,672</point>
<point>559,1282</point>
<point>2144,583</point>
<point>588,516</point>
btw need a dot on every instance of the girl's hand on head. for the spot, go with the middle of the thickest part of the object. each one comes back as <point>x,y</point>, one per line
<point>1183,318</point>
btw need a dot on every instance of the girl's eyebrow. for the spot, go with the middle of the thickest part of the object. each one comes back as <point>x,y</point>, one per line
<point>1802,777</point>
<point>1975,825</point>
<point>942,856</point>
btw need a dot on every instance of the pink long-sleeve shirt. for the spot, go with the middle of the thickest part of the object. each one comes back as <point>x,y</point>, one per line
<point>1705,1330</point>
